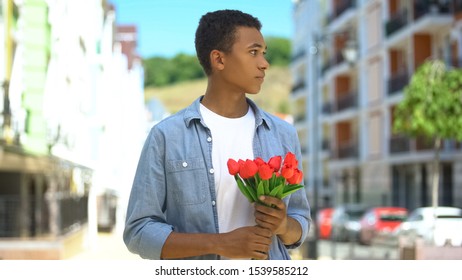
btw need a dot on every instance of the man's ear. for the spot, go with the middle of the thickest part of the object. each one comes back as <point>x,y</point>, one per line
<point>217,60</point>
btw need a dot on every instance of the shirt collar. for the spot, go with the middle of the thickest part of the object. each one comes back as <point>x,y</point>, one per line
<point>192,112</point>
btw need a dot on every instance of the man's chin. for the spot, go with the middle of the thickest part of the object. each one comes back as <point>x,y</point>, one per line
<point>253,92</point>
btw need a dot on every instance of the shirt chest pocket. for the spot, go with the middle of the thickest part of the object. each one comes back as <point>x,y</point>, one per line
<point>187,181</point>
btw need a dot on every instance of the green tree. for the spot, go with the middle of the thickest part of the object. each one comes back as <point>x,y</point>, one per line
<point>161,71</point>
<point>279,51</point>
<point>432,108</point>
<point>185,67</point>
<point>156,71</point>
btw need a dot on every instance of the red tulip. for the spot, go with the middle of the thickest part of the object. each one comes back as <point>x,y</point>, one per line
<point>233,167</point>
<point>287,172</point>
<point>290,160</point>
<point>249,169</point>
<point>296,178</point>
<point>275,162</point>
<point>265,171</point>
<point>259,161</point>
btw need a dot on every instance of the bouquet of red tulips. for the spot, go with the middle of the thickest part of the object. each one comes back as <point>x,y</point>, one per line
<point>274,178</point>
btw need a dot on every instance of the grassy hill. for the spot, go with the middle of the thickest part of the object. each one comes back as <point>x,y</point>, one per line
<point>274,96</point>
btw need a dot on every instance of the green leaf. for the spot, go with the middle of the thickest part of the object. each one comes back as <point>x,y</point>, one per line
<point>245,190</point>
<point>290,189</point>
<point>250,182</point>
<point>266,186</point>
<point>260,189</point>
<point>253,194</point>
<point>257,179</point>
<point>278,189</point>
<point>272,181</point>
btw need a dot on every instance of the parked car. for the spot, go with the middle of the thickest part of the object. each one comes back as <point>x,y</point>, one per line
<point>324,221</point>
<point>378,222</point>
<point>436,226</point>
<point>345,222</point>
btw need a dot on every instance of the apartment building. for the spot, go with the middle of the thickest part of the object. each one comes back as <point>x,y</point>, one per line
<point>344,110</point>
<point>66,87</point>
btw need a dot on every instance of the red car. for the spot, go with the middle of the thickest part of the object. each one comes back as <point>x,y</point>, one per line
<point>380,221</point>
<point>325,223</point>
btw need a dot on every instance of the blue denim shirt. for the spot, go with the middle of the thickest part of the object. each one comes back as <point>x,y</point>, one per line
<point>174,188</point>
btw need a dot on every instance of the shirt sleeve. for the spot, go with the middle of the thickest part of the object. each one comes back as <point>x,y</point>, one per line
<point>145,227</point>
<point>298,206</point>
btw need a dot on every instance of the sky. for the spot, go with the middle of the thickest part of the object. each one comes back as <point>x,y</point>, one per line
<point>167,27</point>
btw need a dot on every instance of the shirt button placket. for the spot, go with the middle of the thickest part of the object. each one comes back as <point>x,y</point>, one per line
<point>209,140</point>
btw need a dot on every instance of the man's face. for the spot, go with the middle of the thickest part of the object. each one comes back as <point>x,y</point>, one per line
<point>244,67</point>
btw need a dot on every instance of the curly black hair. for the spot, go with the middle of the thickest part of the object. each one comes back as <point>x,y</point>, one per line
<point>216,31</point>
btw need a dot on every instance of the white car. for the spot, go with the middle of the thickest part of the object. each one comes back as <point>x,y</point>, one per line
<point>438,226</point>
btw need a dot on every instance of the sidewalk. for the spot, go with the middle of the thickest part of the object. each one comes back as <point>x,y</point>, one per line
<point>107,246</point>
<point>110,246</point>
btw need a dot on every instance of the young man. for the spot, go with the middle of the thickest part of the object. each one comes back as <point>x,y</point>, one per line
<point>184,204</point>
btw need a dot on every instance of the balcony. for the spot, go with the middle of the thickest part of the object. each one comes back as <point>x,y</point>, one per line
<point>397,82</point>
<point>424,144</point>
<point>344,102</point>
<point>347,101</point>
<point>425,17</point>
<point>347,150</point>
<point>399,144</point>
<point>432,18</point>
<point>325,144</point>
<point>327,108</point>
<point>297,86</point>
<point>402,144</point>
<point>396,22</point>
<point>335,60</point>
<point>422,8</point>
<point>343,6</point>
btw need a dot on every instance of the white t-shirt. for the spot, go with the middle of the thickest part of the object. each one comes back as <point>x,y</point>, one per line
<point>231,138</point>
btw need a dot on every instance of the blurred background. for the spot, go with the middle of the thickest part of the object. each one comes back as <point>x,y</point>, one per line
<point>83,81</point>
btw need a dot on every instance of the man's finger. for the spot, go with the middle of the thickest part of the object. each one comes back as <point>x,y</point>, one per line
<point>269,200</point>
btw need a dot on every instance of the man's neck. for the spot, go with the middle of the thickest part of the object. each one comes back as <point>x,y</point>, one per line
<point>226,104</point>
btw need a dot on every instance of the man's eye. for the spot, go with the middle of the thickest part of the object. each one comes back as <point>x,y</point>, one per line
<point>253,52</point>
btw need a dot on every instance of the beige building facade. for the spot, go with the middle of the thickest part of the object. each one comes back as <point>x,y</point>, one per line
<point>344,110</point>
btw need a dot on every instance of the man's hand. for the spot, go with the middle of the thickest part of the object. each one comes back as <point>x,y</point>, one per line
<point>252,242</point>
<point>275,219</point>
<point>246,242</point>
